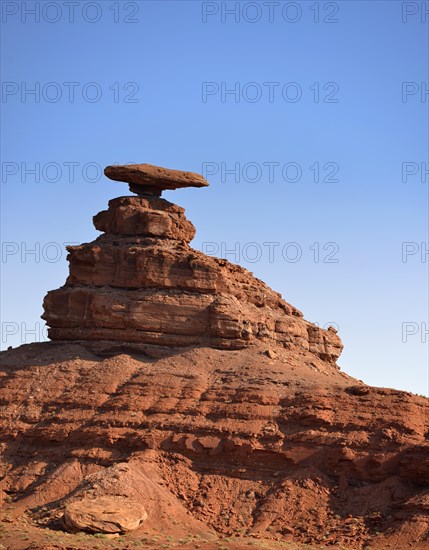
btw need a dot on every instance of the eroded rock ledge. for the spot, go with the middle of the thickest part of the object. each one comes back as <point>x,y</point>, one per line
<point>141,282</point>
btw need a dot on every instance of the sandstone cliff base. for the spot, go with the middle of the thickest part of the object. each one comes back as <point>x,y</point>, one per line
<point>258,447</point>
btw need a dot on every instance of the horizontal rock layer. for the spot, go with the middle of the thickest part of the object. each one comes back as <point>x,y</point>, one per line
<point>139,216</point>
<point>141,282</point>
<point>179,318</point>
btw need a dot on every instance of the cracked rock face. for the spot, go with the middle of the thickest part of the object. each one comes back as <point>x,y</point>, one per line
<point>141,282</point>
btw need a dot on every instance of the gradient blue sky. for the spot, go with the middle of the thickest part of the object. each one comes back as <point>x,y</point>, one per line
<point>168,53</point>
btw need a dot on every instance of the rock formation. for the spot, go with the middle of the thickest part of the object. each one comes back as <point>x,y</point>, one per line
<point>145,179</point>
<point>181,401</point>
<point>117,514</point>
<point>141,282</point>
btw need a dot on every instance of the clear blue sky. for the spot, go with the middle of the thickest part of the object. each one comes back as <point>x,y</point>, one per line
<point>153,91</point>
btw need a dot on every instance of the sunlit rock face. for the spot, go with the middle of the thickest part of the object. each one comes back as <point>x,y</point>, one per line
<point>141,282</point>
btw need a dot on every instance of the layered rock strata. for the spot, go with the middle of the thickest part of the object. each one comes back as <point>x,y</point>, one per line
<point>141,282</point>
<point>206,440</point>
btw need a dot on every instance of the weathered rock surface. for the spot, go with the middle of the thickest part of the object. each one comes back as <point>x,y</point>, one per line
<point>105,514</point>
<point>152,180</point>
<point>180,386</point>
<point>141,282</point>
<point>138,216</point>
<point>233,442</point>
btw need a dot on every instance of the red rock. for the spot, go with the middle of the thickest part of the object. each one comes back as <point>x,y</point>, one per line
<point>149,217</point>
<point>149,179</point>
<point>142,283</point>
<point>104,515</point>
<point>158,388</point>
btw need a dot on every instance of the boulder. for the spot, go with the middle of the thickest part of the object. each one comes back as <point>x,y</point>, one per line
<point>105,514</point>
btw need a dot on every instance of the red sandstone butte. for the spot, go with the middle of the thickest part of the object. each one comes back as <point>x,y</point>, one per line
<point>181,399</point>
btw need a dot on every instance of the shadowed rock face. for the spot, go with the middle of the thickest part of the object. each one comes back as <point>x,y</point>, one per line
<point>141,282</point>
